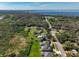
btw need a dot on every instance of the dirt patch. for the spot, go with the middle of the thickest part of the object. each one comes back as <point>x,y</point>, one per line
<point>17,43</point>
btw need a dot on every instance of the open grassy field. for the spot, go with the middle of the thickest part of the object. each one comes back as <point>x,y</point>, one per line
<point>35,47</point>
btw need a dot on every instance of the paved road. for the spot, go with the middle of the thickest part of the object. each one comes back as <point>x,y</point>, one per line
<point>58,44</point>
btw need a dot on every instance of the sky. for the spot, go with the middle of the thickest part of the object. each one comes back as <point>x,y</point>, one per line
<point>39,5</point>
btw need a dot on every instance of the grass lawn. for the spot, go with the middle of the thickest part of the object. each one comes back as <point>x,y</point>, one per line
<point>45,31</point>
<point>35,49</point>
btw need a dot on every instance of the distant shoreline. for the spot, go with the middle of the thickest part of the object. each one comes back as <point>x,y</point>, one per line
<point>45,12</point>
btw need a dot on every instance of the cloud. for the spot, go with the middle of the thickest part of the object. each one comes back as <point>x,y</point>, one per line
<point>2,7</point>
<point>38,6</point>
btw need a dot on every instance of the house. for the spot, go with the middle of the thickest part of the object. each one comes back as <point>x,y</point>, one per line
<point>42,37</point>
<point>74,51</point>
<point>44,47</point>
<point>43,43</point>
